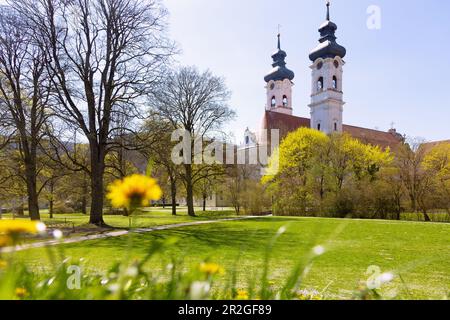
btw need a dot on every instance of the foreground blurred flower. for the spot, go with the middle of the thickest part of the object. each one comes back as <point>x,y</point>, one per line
<point>133,191</point>
<point>10,230</point>
<point>211,268</point>
<point>58,234</point>
<point>309,295</point>
<point>21,226</point>
<point>242,295</point>
<point>199,290</point>
<point>318,250</point>
<point>21,292</point>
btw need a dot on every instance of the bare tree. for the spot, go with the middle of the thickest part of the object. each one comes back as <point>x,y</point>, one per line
<point>413,175</point>
<point>157,151</point>
<point>236,183</point>
<point>208,184</point>
<point>106,55</point>
<point>198,103</point>
<point>24,95</point>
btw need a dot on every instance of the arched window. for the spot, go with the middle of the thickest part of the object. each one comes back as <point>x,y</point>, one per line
<point>335,83</point>
<point>274,102</point>
<point>318,126</point>
<point>247,140</point>
<point>285,102</point>
<point>320,84</point>
<point>335,126</point>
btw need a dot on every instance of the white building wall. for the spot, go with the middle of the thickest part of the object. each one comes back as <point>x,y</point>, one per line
<point>280,89</point>
<point>327,103</point>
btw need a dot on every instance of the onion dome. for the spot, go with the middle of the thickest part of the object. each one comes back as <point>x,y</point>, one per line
<point>328,47</point>
<point>279,71</point>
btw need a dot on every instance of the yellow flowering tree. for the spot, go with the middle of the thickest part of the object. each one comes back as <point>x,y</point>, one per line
<point>437,163</point>
<point>323,174</point>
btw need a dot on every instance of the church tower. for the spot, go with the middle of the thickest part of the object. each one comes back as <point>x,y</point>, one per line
<point>279,84</point>
<point>327,102</point>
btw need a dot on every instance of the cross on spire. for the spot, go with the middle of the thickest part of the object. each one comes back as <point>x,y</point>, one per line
<point>392,125</point>
<point>279,36</point>
<point>328,10</point>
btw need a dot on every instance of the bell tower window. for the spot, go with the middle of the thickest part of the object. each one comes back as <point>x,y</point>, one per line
<point>335,83</point>
<point>273,102</point>
<point>318,126</point>
<point>320,84</point>
<point>285,102</point>
<point>335,126</point>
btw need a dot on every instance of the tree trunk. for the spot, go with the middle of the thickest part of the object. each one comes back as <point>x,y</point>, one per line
<point>398,202</point>
<point>97,192</point>
<point>33,202</point>
<point>413,203</point>
<point>96,214</point>
<point>84,195</point>
<point>424,210</point>
<point>20,210</point>
<point>50,208</point>
<point>189,190</point>
<point>51,201</point>
<point>173,194</point>
<point>83,204</point>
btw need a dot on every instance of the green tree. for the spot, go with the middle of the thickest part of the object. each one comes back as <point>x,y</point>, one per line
<point>321,174</point>
<point>292,183</point>
<point>437,163</point>
<point>415,177</point>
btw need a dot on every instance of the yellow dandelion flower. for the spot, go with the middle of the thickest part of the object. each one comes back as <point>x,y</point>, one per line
<point>309,295</point>
<point>21,292</point>
<point>211,268</point>
<point>242,295</point>
<point>21,226</point>
<point>133,191</point>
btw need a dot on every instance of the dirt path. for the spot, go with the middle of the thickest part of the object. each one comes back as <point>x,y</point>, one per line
<point>113,234</point>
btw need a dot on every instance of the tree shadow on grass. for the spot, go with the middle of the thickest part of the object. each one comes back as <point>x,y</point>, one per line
<point>205,238</point>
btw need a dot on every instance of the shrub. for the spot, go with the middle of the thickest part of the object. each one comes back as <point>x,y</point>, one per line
<point>62,207</point>
<point>254,199</point>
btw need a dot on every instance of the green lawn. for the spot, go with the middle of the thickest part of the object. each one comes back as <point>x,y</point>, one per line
<point>150,217</point>
<point>77,224</point>
<point>418,252</point>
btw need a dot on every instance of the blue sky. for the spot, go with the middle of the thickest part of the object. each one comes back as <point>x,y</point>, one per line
<point>400,73</point>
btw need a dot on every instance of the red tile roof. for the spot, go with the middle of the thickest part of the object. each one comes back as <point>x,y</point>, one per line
<point>430,145</point>
<point>283,122</point>
<point>287,123</point>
